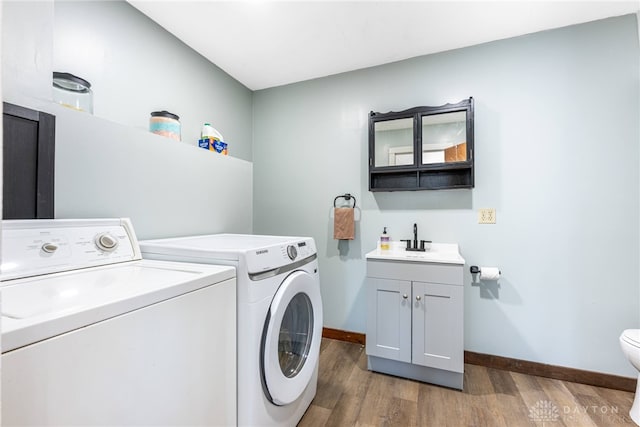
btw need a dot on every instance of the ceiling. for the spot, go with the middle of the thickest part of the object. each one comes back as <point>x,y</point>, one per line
<point>265,43</point>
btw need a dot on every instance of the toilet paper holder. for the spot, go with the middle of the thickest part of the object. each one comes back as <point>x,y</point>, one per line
<point>477,270</point>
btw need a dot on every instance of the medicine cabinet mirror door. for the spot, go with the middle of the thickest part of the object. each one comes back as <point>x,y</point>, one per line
<point>393,142</point>
<point>444,138</point>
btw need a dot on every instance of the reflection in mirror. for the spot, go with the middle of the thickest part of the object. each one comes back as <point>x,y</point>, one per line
<point>444,138</point>
<point>394,142</point>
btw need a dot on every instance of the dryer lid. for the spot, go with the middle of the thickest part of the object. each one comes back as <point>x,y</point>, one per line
<point>632,336</point>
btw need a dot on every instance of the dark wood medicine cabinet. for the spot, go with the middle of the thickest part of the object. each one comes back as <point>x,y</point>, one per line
<point>28,163</point>
<point>422,148</point>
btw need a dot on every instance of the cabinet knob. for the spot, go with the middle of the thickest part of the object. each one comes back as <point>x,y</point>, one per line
<point>418,298</point>
<point>405,296</point>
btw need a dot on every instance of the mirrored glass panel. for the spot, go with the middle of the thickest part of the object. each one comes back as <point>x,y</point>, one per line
<point>444,138</point>
<point>394,142</point>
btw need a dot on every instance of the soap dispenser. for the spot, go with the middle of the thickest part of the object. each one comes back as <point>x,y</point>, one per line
<point>384,240</point>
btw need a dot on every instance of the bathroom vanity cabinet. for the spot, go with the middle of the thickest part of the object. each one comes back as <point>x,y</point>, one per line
<point>415,315</point>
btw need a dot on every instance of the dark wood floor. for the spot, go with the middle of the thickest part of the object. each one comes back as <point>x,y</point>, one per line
<point>350,395</point>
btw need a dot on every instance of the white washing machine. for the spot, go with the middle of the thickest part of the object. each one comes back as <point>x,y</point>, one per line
<point>279,317</point>
<point>94,335</point>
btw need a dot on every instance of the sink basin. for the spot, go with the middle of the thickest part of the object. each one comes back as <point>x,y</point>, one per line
<point>446,253</point>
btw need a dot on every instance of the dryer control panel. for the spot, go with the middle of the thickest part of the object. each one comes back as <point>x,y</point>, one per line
<point>34,247</point>
<point>279,255</point>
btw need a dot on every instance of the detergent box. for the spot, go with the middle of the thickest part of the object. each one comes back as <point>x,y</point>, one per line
<point>213,144</point>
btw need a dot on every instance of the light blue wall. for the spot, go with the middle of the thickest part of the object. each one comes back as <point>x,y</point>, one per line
<point>136,67</point>
<point>166,188</point>
<point>556,134</point>
<point>108,164</point>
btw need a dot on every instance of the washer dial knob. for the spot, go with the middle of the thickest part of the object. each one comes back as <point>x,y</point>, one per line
<point>106,242</point>
<point>292,252</point>
<point>49,248</point>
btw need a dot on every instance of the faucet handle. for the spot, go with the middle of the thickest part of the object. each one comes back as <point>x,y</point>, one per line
<point>422,242</point>
<point>408,243</point>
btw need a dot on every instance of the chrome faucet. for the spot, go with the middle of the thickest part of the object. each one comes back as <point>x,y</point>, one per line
<point>415,241</point>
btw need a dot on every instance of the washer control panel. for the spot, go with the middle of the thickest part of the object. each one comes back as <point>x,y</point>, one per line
<point>33,247</point>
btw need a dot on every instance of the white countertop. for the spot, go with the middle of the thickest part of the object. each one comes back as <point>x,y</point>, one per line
<point>445,253</point>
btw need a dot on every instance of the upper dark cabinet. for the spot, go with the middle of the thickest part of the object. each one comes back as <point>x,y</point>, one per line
<point>422,148</point>
<point>28,160</point>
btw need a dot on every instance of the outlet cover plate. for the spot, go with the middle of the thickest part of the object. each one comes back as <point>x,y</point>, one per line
<point>486,216</point>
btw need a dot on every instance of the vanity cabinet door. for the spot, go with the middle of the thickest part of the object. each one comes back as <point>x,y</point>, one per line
<point>389,319</point>
<point>438,326</point>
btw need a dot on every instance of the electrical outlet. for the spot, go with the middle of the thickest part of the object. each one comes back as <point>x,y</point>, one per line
<point>487,216</point>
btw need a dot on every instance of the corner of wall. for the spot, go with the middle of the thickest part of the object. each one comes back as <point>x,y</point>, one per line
<point>28,51</point>
<point>638,24</point>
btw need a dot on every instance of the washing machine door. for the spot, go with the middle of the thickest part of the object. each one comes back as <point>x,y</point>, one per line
<point>291,338</point>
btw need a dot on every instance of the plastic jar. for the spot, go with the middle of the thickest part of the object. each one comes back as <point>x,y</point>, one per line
<point>166,124</point>
<point>72,91</point>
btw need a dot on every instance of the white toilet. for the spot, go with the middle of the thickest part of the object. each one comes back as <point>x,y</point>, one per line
<point>630,343</point>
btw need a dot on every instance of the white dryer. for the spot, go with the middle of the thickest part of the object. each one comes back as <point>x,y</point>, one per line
<point>279,317</point>
<point>94,335</point>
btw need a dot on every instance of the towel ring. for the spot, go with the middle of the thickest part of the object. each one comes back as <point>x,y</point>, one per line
<point>347,197</point>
